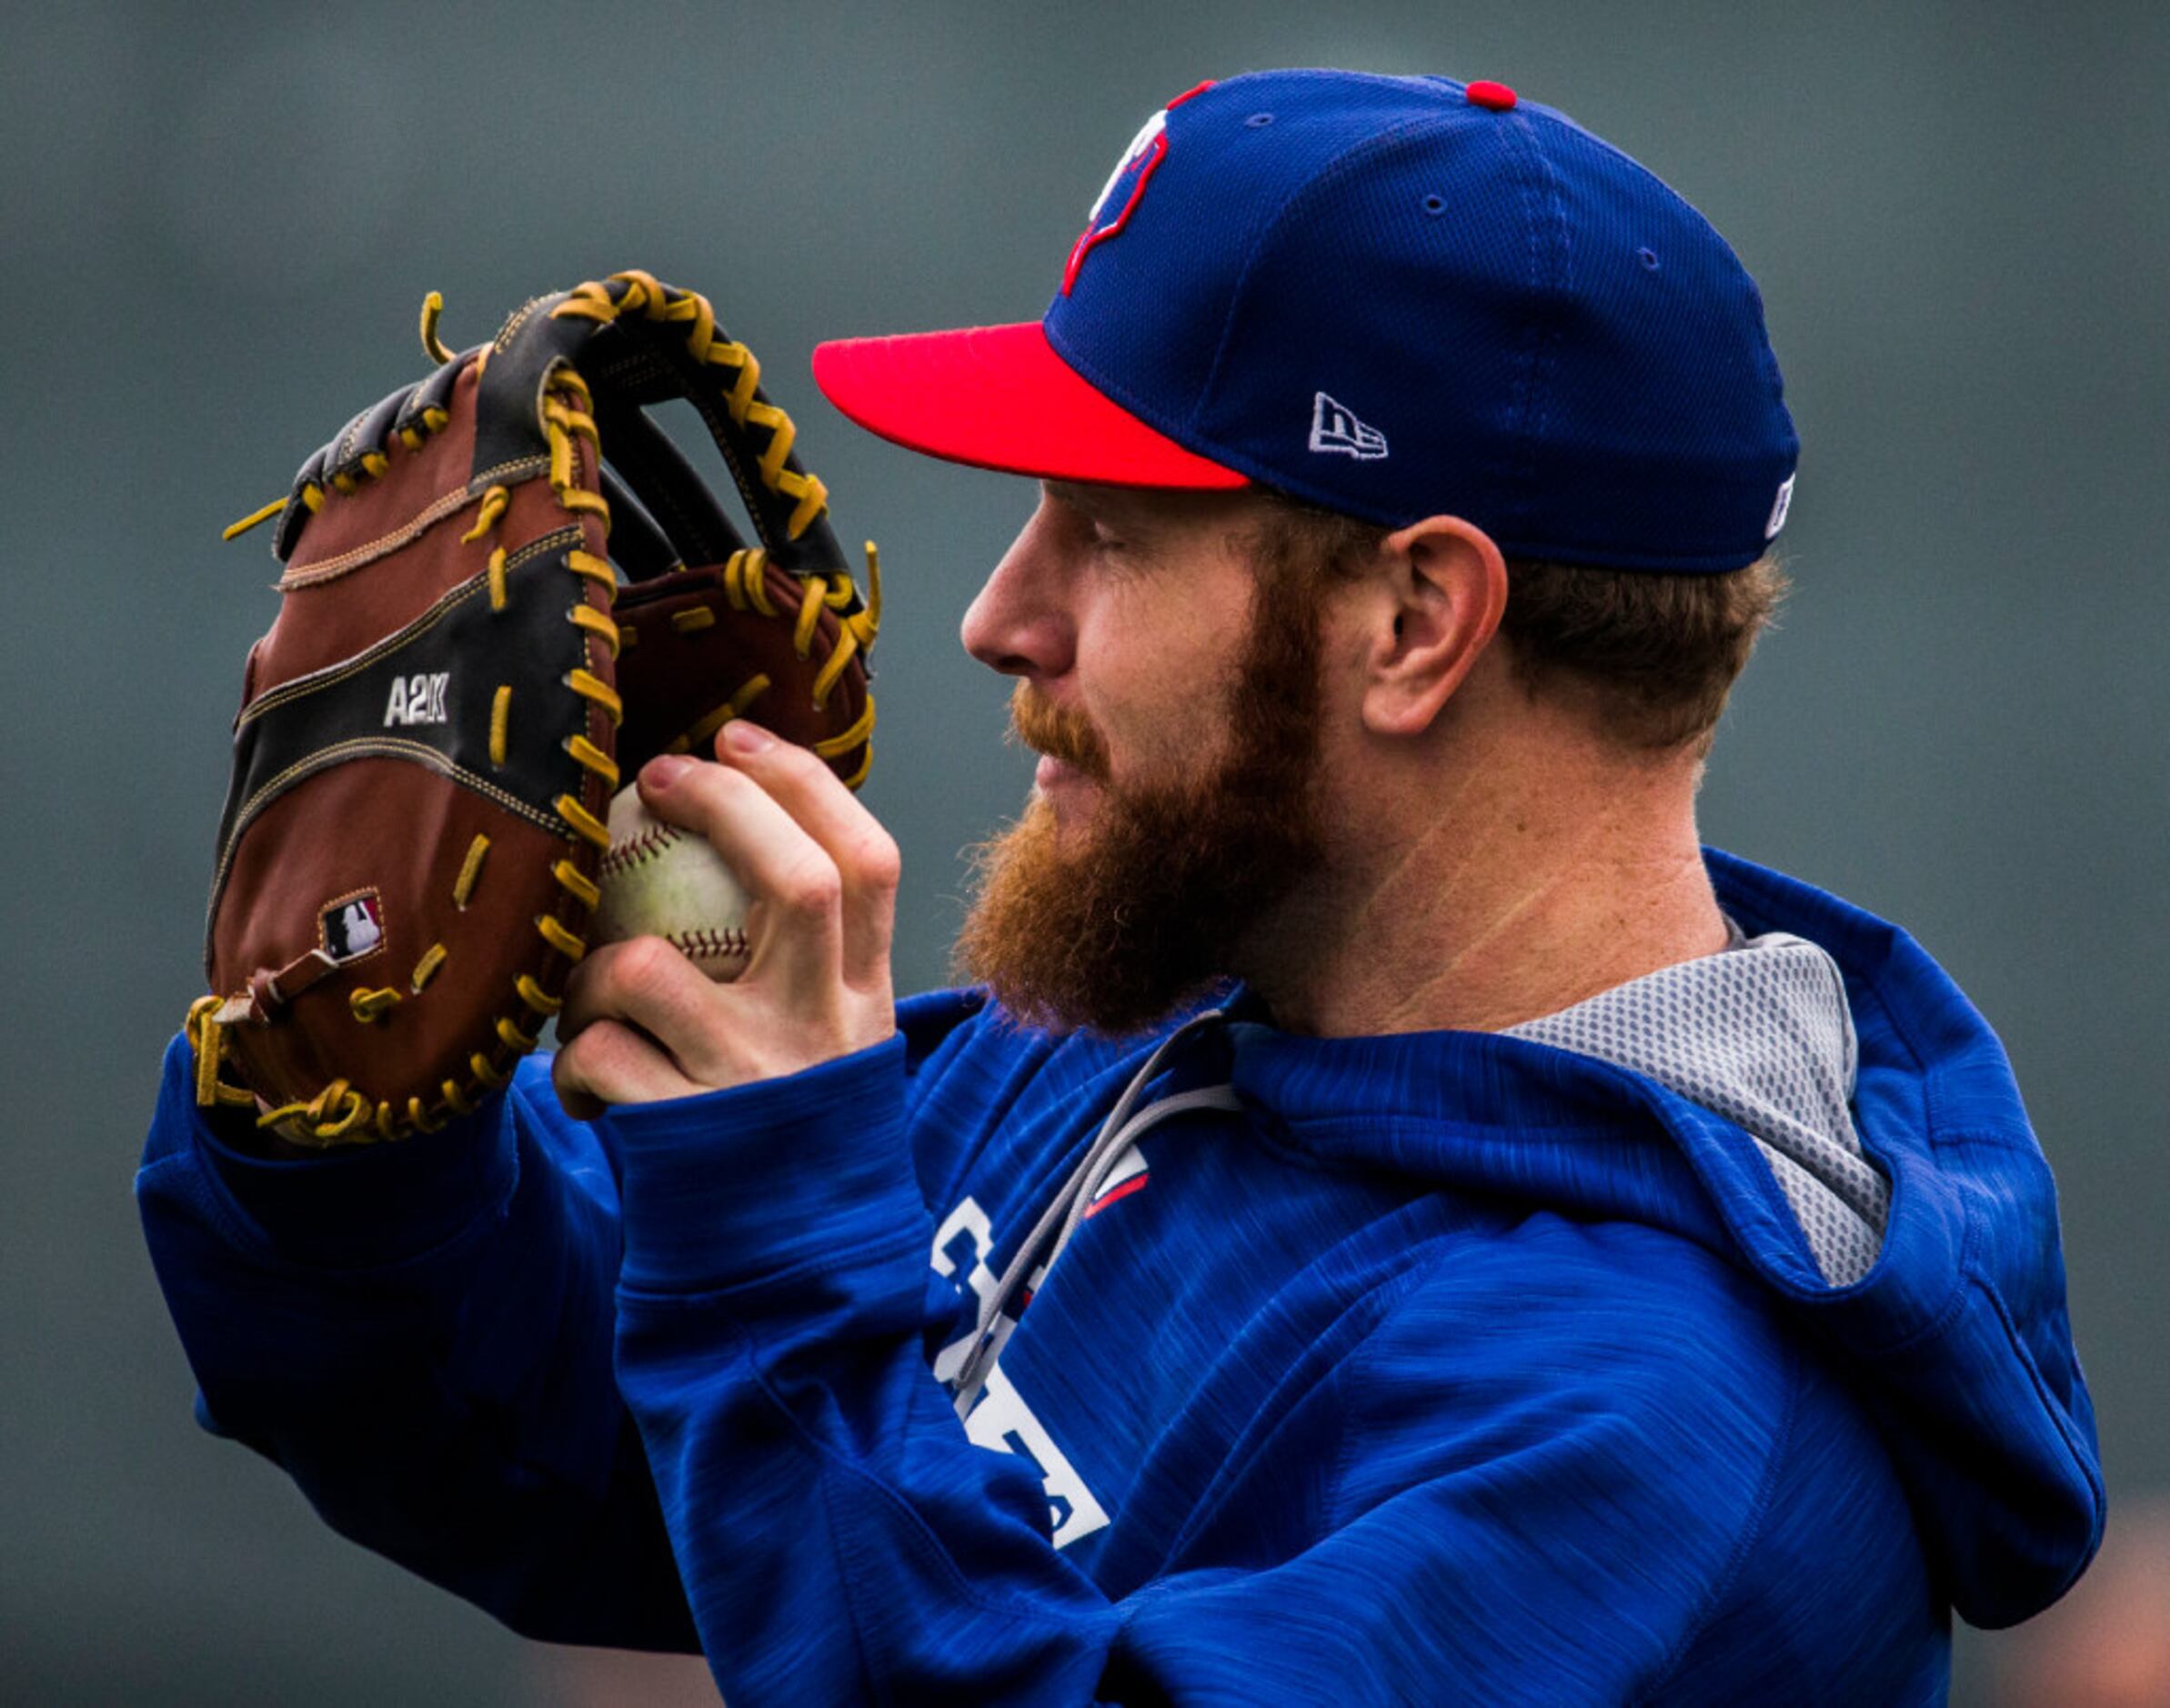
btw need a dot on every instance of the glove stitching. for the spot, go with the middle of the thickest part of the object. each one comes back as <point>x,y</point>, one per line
<point>446,505</point>
<point>302,686</point>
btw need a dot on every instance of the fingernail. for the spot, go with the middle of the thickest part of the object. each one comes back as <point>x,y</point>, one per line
<point>661,772</point>
<point>741,737</point>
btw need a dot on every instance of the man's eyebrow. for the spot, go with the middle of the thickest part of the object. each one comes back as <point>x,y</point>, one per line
<point>1122,506</point>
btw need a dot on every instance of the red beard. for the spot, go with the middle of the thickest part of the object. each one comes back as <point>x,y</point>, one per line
<point>1146,906</point>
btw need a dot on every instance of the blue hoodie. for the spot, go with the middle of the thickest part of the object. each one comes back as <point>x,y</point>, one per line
<point>1714,1357</point>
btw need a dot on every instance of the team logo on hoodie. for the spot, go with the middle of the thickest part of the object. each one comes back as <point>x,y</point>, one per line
<point>995,1414</point>
<point>1129,1175</point>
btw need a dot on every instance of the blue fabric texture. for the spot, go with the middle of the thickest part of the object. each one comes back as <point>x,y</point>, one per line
<point>1452,1367</point>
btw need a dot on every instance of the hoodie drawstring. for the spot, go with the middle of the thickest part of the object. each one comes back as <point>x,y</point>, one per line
<point>1118,1133</point>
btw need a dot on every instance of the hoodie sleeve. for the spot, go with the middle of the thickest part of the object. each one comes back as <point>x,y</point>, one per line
<point>421,1335</point>
<point>1487,1534</point>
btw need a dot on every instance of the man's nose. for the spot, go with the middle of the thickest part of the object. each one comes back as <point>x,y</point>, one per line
<point>1018,624</point>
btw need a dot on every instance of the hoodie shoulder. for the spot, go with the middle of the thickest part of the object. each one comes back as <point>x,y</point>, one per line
<point>1641,1349</point>
<point>1572,1388</point>
<point>1960,1333</point>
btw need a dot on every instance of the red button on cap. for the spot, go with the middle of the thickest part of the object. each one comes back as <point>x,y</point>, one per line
<point>1496,95</point>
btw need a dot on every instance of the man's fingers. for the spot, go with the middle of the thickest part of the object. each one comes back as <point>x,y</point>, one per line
<point>639,1022</point>
<point>648,984</point>
<point>791,876</point>
<point>611,1062</point>
<point>864,852</point>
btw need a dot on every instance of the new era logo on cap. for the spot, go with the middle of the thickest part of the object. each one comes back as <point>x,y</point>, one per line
<point>1334,428</point>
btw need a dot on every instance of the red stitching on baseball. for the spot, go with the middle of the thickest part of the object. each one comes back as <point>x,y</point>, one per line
<point>725,945</point>
<point>638,850</point>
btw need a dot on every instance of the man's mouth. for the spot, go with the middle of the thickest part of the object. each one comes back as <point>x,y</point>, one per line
<point>1070,748</point>
<point>1053,773</point>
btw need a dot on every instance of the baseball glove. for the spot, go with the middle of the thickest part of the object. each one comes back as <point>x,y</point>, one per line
<point>504,590</point>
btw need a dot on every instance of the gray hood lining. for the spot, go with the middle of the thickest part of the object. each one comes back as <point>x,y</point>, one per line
<point>1760,1034</point>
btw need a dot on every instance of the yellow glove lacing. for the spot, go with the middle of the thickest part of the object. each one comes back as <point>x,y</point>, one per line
<point>341,1114</point>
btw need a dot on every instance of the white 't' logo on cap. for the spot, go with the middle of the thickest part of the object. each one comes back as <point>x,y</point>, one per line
<point>1148,133</point>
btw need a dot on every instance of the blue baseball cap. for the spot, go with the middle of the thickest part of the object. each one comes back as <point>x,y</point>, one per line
<point>1391,296</point>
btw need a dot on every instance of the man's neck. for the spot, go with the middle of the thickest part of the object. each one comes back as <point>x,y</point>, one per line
<point>1538,884</point>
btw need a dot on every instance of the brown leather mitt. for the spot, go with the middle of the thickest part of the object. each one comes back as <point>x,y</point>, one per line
<point>504,590</point>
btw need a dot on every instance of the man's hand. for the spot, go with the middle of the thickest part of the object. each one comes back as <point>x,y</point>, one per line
<point>641,1024</point>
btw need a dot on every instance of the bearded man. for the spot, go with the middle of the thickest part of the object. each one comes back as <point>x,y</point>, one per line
<point>1389,1218</point>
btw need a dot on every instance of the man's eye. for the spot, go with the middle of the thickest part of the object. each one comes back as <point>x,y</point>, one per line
<point>1115,553</point>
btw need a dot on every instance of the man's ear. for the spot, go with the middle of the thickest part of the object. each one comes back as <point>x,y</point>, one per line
<point>1430,608</point>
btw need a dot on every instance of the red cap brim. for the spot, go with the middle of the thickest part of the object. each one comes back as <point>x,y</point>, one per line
<point>1000,397</point>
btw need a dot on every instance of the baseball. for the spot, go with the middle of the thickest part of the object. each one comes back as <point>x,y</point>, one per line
<point>659,880</point>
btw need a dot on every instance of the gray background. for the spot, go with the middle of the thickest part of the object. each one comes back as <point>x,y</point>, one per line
<point>218,222</point>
